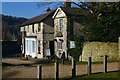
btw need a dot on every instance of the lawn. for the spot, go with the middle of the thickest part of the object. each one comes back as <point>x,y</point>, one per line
<point>95,76</point>
<point>109,75</point>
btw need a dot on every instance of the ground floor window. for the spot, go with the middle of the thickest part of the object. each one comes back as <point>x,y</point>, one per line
<point>59,44</point>
<point>33,45</point>
<point>27,45</point>
<point>30,46</point>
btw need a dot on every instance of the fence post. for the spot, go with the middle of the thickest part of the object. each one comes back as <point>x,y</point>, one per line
<point>105,63</point>
<point>56,70</point>
<point>73,67</point>
<point>39,76</point>
<point>89,66</point>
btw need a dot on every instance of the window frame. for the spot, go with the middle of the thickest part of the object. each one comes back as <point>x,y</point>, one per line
<point>59,45</point>
<point>60,25</point>
<point>27,28</point>
<point>33,46</point>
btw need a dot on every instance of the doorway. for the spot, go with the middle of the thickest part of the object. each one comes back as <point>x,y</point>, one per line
<point>51,45</point>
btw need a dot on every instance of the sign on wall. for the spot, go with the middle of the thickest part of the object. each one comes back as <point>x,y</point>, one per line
<point>72,44</point>
<point>47,52</point>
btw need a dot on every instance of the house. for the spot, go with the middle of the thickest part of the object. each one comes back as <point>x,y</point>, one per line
<point>67,23</point>
<point>38,36</point>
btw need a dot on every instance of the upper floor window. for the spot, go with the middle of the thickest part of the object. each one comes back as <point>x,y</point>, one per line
<point>33,28</point>
<point>27,29</point>
<point>38,42</point>
<point>60,24</point>
<point>38,27</point>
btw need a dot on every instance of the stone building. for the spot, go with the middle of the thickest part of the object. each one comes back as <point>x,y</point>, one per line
<point>52,32</point>
<point>67,23</point>
<point>38,36</point>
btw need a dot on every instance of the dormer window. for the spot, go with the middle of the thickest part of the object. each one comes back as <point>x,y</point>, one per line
<point>60,24</point>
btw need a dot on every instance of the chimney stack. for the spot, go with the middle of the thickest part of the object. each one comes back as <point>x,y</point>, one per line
<point>67,4</point>
<point>48,9</point>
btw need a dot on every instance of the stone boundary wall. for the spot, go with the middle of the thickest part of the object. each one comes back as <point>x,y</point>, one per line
<point>98,49</point>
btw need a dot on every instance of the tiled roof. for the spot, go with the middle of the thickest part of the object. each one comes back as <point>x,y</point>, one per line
<point>75,11</point>
<point>68,11</point>
<point>38,18</point>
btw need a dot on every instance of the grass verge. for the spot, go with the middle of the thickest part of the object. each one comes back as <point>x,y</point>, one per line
<point>107,76</point>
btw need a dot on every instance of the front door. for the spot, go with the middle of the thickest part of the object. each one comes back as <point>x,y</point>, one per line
<point>51,44</point>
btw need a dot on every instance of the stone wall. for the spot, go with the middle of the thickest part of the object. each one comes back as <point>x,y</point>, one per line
<point>98,49</point>
<point>59,15</point>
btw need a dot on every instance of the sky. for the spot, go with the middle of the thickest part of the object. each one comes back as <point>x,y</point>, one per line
<point>25,9</point>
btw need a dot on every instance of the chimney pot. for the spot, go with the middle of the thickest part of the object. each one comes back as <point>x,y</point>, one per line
<point>67,4</point>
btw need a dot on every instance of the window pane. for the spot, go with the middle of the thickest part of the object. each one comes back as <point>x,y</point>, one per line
<point>38,42</point>
<point>33,44</point>
<point>27,44</point>
<point>59,25</point>
<point>59,44</point>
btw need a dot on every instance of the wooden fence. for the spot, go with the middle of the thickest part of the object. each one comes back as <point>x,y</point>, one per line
<point>89,68</point>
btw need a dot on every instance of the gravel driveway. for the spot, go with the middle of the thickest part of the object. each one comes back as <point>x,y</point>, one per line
<point>27,69</point>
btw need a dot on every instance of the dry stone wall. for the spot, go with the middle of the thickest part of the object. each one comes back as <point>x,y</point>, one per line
<point>98,49</point>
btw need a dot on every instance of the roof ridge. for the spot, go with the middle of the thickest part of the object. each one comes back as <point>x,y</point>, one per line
<point>30,21</point>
